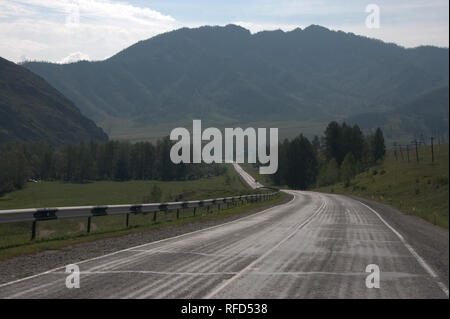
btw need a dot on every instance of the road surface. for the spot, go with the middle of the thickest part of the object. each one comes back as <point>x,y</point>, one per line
<point>251,182</point>
<point>315,246</point>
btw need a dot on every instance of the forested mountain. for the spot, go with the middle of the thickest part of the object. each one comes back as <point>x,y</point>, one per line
<point>425,115</point>
<point>227,76</point>
<point>32,110</point>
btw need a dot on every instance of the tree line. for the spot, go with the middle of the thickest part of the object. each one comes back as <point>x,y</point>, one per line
<point>341,153</point>
<point>112,160</point>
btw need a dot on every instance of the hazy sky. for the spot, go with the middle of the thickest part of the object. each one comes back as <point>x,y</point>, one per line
<point>66,30</point>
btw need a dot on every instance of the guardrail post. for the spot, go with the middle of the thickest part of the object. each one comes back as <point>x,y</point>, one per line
<point>90,211</point>
<point>89,224</point>
<point>33,230</point>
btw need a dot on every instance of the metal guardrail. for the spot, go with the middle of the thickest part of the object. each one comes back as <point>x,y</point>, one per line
<point>42,214</point>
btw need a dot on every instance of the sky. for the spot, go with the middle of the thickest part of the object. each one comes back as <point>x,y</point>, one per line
<point>64,31</point>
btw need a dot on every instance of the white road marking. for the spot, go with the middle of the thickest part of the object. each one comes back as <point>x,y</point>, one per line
<point>255,273</point>
<point>185,253</point>
<point>419,259</point>
<point>249,266</point>
<point>151,272</point>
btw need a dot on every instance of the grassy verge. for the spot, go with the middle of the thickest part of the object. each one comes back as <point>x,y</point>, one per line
<point>57,194</point>
<point>417,188</point>
<point>114,226</point>
<point>15,237</point>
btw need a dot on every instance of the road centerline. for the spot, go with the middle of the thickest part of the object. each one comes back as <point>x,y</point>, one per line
<point>268,252</point>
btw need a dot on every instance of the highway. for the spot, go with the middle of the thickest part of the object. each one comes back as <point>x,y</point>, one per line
<point>251,182</point>
<point>315,246</point>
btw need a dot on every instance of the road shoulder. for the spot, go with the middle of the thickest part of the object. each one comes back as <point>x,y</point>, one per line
<point>431,242</point>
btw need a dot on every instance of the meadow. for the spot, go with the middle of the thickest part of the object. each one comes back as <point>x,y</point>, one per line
<point>416,188</point>
<point>15,237</point>
<point>58,194</point>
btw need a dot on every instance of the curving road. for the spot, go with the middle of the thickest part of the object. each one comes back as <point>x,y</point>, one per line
<point>315,246</point>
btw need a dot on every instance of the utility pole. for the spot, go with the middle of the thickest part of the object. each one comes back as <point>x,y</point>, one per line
<point>423,140</point>
<point>395,151</point>
<point>417,152</point>
<point>407,151</point>
<point>401,153</point>
<point>432,150</point>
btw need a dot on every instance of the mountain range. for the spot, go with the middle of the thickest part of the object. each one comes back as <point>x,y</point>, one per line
<point>32,110</point>
<point>226,76</point>
<point>424,116</point>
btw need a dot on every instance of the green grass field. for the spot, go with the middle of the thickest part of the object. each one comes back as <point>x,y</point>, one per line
<point>57,194</point>
<point>15,237</point>
<point>419,189</point>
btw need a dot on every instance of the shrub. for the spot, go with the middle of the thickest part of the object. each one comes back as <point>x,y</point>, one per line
<point>156,194</point>
<point>348,169</point>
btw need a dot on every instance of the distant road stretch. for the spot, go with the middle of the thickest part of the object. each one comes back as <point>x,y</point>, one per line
<point>247,177</point>
<point>315,246</point>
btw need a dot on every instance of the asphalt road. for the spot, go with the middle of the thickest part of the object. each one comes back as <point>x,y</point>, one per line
<point>315,246</point>
<point>251,182</point>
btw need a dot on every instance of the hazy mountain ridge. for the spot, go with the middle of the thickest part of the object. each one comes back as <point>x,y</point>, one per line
<point>227,75</point>
<point>32,110</point>
<point>426,114</point>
